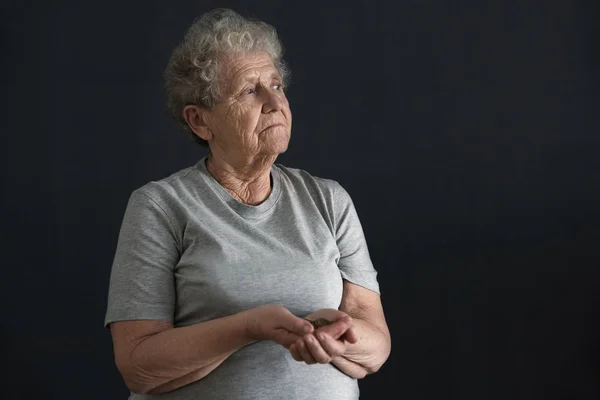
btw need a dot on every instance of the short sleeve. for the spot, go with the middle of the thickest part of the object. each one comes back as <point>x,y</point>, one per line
<point>142,283</point>
<point>355,262</point>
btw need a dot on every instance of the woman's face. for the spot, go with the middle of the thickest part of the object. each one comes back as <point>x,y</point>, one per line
<point>252,117</point>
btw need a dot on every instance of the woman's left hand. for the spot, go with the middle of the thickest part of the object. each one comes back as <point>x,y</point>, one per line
<point>327,342</point>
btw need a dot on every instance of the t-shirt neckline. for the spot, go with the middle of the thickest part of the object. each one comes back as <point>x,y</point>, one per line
<point>244,210</point>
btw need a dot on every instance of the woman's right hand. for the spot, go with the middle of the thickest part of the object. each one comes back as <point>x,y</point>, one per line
<point>276,323</point>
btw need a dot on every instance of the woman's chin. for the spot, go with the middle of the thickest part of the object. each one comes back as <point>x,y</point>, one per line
<point>275,141</point>
<point>275,146</point>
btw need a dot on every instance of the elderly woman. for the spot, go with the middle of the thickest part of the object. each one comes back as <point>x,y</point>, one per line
<point>240,278</point>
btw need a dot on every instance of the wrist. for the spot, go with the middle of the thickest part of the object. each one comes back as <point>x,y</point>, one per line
<point>247,326</point>
<point>350,368</point>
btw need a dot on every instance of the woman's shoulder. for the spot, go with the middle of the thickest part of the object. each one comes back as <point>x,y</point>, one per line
<point>169,187</point>
<point>299,177</point>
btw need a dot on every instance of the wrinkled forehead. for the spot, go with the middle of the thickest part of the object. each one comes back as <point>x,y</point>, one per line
<point>235,70</point>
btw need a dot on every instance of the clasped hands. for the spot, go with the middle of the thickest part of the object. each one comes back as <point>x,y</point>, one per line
<point>305,344</point>
<point>326,343</point>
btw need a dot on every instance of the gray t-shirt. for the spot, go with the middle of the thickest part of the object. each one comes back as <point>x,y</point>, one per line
<point>189,252</point>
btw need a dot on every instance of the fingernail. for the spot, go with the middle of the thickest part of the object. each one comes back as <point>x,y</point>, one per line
<point>321,336</point>
<point>307,328</point>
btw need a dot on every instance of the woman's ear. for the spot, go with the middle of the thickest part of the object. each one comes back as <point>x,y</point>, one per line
<point>195,116</point>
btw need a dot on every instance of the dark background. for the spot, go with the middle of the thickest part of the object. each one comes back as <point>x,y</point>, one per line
<point>466,133</point>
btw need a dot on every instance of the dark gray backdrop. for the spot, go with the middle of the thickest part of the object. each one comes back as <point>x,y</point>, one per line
<point>466,132</point>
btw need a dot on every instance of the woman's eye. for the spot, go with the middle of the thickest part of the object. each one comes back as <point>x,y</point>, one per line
<point>277,87</point>
<point>249,91</point>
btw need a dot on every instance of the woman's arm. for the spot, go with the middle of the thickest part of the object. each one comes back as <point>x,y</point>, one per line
<point>155,357</point>
<point>373,346</point>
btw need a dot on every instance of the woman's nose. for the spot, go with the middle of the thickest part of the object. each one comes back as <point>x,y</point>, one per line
<point>272,101</point>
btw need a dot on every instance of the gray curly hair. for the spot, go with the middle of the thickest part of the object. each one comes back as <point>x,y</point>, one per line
<point>191,75</point>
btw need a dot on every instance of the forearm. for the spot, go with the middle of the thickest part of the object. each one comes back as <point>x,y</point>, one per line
<point>175,357</point>
<point>370,351</point>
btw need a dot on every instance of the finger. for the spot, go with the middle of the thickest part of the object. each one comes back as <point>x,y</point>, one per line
<point>351,336</point>
<point>296,325</point>
<point>318,353</point>
<point>286,338</point>
<point>332,346</point>
<point>305,353</point>
<point>337,328</point>
<point>295,353</point>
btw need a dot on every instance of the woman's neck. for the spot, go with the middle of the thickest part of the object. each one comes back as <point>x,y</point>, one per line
<point>247,182</point>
